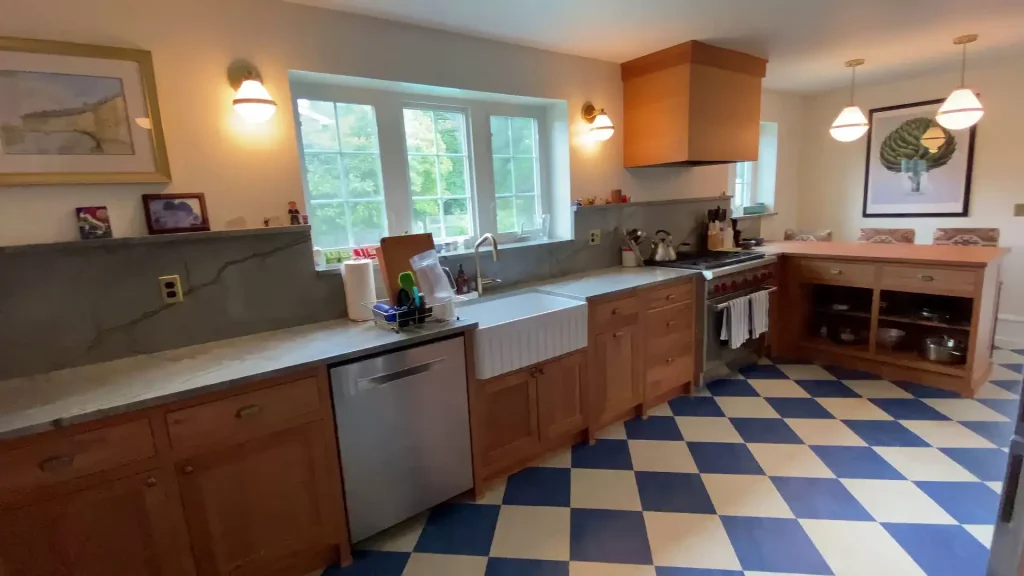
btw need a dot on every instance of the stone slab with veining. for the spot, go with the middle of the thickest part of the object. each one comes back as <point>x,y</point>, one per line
<point>611,281</point>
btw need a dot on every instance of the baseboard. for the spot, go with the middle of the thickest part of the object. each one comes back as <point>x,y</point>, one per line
<point>1010,332</point>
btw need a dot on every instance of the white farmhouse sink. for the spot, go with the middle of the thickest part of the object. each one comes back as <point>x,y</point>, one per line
<point>523,328</point>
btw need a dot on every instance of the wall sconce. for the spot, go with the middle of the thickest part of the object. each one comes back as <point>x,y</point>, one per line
<point>601,127</point>
<point>252,101</point>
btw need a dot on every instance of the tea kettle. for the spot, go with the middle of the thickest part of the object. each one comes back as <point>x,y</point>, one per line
<point>664,251</point>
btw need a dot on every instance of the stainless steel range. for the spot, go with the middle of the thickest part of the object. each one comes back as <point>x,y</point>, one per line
<point>728,275</point>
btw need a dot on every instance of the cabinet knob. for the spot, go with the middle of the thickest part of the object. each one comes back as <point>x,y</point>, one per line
<point>618,334</point>
<point>151,482</point>
<point>248,411</point>
<point>188,469</point>
<point>670,297</point>
<point>926,277</point>
<point>615,311</point>
<point>670,323</point>
<point>670,360</point>
<point>835,271</point>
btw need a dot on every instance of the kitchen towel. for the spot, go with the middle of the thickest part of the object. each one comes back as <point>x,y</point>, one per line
<point>736,323</point>
<point>759,312</point>
<point>357,276</point>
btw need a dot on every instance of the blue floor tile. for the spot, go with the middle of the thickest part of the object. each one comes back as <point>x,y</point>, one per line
<point>885,433</point>
<point>765,431</point>
<point>518,567</point>
<point>667,571</point>
<point>613,536</point>
<point>966,502</point>
<point>605,454</point>
<point>773,545</point>
<point>987,464</point>
<point>922,391</point>
<point>372,563</point>
<point>908,409</point>
<point>941,550</point>
<point>465,529</point>
<point>851,374</point>
<point>1011,386</point>
<point>539,487</point>
<point>673,492</point>
<point>653,428</point>
<point>731,387</point>
<point>695,406</point>
<point>799,408</point>
<point>1007,408</point>
<point>1017,368</point>
<point>821,499</point>
<point>856,462</point>
<point>763,372</point>
<point>790,361</point>
<point>724,458</point>
<point>827,389</point>
<point>998,433</point>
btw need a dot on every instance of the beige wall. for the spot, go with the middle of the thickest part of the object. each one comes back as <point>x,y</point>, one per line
<point>786,110</point>
<point>832,184</point>
<point>253,171</point>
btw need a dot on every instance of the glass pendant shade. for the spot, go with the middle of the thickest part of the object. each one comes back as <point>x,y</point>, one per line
<point>850,125</point>
<point>961,110</point>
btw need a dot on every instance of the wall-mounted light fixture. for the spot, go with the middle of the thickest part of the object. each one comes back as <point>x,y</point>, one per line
<point>601,127</point>
<point>962,109</point>
<point>851,123</point>
<point>252,101</point>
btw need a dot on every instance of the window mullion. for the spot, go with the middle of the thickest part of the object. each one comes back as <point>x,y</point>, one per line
<point>437,179</point>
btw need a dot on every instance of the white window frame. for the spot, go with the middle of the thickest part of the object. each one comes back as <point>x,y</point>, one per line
<point>747,184</point>
<point>538,189</point>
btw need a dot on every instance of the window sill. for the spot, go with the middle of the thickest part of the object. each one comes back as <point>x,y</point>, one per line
<point>752,216</point>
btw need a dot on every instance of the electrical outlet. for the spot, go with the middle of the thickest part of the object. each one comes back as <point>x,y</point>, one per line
<point>1018,209</point>
<point>595,237</point>
<point>170,289</point>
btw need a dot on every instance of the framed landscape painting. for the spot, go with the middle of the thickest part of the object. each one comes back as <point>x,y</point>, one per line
<point>78,114</point>
<point>915,167</point>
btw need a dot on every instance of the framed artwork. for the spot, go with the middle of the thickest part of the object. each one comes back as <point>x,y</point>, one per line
<point>915,167</point>
<point>175,213</point>
<point>78,114</point>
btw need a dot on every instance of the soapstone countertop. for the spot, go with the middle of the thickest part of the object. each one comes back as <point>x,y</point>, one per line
<point>608,281</point>
<point>59,399</point>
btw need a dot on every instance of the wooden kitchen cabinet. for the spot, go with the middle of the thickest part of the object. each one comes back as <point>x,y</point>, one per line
<point>617,374</point>
<point>119,527</point>
<point>562,396</point>
<point>509,428</point>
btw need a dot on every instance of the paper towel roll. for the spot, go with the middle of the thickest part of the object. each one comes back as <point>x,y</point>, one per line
<point>359,288</point>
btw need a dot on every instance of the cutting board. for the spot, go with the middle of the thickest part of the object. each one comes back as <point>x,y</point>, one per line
<point>394,254</point>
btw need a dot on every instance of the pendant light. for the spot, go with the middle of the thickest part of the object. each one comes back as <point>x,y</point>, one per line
<point>962,109</point>
<point>851,123</point>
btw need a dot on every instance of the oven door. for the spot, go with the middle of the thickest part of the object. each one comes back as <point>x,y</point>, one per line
<point>720,361</point>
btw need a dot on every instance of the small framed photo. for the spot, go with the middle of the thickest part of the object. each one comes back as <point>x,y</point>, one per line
<point>175,213</point>
<point>93,222</point>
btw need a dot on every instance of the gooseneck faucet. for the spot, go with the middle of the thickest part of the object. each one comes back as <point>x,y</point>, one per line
<point>480,280</point>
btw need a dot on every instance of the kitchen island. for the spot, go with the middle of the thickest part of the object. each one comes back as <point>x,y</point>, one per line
<point>870,307</point>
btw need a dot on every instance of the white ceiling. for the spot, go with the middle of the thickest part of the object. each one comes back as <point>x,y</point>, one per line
<point>806,41</point>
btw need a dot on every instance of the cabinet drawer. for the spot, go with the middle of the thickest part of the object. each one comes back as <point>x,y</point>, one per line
<point>668,373</point>
<point>929,280</point>
<point>671,345</point>
<point>616,313</point>
<point>672,294</point>
<point>676,319</point>
<point>834,272</point>
<point>74,456</point>
<point>243,416</point>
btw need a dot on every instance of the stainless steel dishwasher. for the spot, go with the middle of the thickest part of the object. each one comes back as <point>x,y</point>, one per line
<point>403,433</point>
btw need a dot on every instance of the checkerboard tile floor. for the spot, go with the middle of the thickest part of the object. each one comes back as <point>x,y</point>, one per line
<point>781,469</point>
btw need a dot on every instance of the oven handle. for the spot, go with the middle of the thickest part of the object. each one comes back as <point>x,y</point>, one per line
<point>731,297</point>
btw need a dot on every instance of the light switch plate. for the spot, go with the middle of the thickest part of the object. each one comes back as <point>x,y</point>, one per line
<point>170,289</point>
<point>1018,209</point>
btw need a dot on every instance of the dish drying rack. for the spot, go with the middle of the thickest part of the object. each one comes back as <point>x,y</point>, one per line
<point>411,319</point>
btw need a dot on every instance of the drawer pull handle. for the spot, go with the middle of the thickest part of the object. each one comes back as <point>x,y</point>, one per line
<point>151,482</point>
<point>835,271</point>
<point>248,411</point>
<point>670,323</point>
<point>926,277</point>
<point>618,334</point>
<point>188,469</point>
<point>56,464</point>
<point>615,311</point>
<point>670,297</point>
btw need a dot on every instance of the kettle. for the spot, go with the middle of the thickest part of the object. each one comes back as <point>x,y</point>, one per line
<point>664,251</point>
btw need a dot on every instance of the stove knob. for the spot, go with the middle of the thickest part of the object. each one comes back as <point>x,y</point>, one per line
<point>717,288</point>
<point>734,285</point>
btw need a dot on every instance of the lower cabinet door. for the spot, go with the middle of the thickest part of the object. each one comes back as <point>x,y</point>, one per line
<point>257,507</point>
<point>122,527</point>
<point>617,372</point>
<point>508,428</point>
<point>561,396</point>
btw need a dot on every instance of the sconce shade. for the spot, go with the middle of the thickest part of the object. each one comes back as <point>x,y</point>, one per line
<point>961,110</point>
<point>850,125</point>
<point>253,102</point>
<point>602,127</point>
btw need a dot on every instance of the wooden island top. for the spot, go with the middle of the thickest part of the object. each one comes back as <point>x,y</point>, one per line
<point>973,256</point>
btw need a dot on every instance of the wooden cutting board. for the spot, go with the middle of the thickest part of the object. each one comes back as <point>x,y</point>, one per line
<point>394,254</point>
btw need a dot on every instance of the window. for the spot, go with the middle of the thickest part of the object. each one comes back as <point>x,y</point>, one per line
<point>438,172</point>
<point>754,182</point>
<point>516,173</point>
<point>743,184</point>
<point>343,173</point>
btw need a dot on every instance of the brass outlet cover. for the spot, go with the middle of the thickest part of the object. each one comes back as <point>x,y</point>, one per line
<point>170,289</point>
<point>1018,209</point>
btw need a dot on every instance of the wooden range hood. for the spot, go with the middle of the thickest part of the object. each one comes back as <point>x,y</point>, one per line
<point>690,105</point>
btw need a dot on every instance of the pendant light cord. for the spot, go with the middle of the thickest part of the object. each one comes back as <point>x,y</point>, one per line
<point>963,66</point>
<point>853,84</point>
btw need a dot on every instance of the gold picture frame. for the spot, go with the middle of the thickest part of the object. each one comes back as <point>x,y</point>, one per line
<point>161,170</point>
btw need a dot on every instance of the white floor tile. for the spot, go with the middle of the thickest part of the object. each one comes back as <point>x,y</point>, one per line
<point>789,460</point>
<point>965,410</point>
<point>946,434</point>
<point>805,372</point>
<point>983,532</point>
<point>896,501</point>
<point>923,464</point>
<point>533,532</point>
<point>1000,373</point>
<point>859,548</point>
<point>853,409</point>
<point>560,459</point>
<point>824,432</point>
<point>993,392</point>
<point>662,410</point>
<point>779,389</point>
<point>690,541</point>
<point>997,486</point>
<point>661,456</point>
<point>449,565</point>
<point>745,407</point>
<point>604,489</point>
<point>699,429</point>
<point>399,538</point>
<point>602,569</point>
<point>742,495</point>
<point>877,389</point>
<point>1006,357</point>
<point>614,431</point>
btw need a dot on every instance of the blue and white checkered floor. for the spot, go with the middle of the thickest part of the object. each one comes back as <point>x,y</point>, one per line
<point>784,469</point>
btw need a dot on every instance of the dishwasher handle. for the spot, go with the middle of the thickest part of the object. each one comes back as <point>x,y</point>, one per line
<point>380,380</point>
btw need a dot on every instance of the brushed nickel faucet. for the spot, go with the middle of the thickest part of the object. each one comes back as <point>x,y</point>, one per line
<point>480,280</point>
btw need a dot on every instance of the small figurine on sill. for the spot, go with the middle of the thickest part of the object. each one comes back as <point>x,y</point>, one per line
<point>294,215</point>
